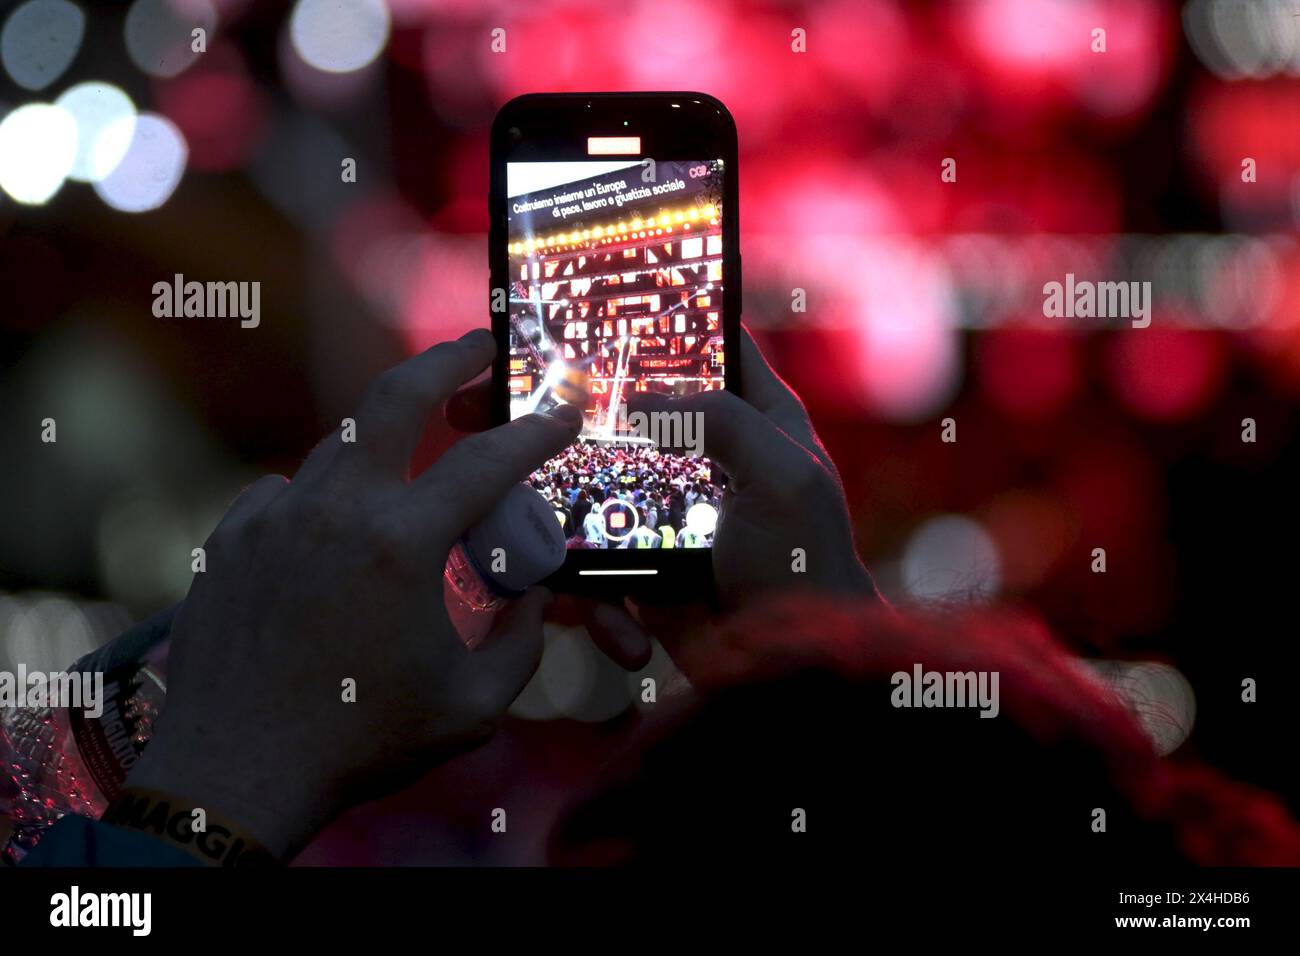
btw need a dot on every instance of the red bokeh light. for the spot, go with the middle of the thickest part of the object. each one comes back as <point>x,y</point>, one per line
<point>1032,530</point>
<point>1166,374</point>
<point>218,110</point>
<point>1037,56</point>
<point>1029,374</point>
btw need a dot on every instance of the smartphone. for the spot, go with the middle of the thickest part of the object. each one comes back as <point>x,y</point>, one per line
<point>615,271</point>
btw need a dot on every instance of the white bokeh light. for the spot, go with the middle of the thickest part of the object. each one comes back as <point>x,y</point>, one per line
<point>1236,39</point>
<point>39,41</point>
<point>151,169</point>
<point>142,544</point>
<point>339,36</point>
<point>38,145</point>
<point>951,558</point>
<point>702,518</point>
<point>49,632</point>
<point>159,34</point>
<point>1158,696</point>
<point>105,118</point>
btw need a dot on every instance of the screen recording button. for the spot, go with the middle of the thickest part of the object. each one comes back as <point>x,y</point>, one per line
<point>621,518</point>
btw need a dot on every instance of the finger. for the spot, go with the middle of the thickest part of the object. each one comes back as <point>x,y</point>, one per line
<point>464,484</point>
<point>470,409</point>
<point>749,446</point>
<point>254,498</point>
<point>730,431</point>
<point>764,389</point>
<point>683,630</point>
<point>393,413</point>
<point>569,610</point>
<point>616,632</point>
<point>511,652</point>
<point>707,657</point>
<point>767,392</point>
<point>319,459</point>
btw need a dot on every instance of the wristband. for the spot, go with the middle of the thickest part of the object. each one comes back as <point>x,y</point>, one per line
<point>171,819</point>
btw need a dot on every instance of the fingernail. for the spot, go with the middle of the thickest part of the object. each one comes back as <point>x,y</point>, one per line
<point>474,335</point>
<point>570,415</point>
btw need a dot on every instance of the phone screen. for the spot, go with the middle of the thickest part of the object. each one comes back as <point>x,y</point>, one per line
<point>616,286</point>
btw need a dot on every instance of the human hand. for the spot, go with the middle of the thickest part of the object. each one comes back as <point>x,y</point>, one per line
<point>783,510</point>
<point>337,577</point>
<point>784,524</point>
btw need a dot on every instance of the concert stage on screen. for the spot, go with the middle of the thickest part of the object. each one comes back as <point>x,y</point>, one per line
<point>616,289</point>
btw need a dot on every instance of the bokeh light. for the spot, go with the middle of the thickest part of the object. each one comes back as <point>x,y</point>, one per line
<point>48,632</point>
<point>144,546</point>
<point>1032,531</point>
<point>1158,696</point>
<point>1238,40</point>
<point>908,348</point>
<point>40,40</point>
<point>1166,374</point>
<point>1031,374</point>
<point>951,558</point>
<point>151,169</point>
<point>339,36</point>
<point>38,147</point>
<point>1028,36</point>
<point>702,518</point>
<point>1040,54</point>
<point>105,118</point>
<point>217,109</point>
<point>159,34</point>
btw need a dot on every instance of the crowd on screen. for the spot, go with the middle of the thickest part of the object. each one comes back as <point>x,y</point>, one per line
<point>595,488</point>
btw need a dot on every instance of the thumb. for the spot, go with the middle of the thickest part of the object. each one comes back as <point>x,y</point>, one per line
<point>466,483</point>
<point>748,446</point>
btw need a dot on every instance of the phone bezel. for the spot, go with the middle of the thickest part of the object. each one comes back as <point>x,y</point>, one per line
<point>672,126</point>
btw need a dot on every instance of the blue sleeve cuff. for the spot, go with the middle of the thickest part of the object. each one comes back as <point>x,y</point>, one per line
<point>79,842</point>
